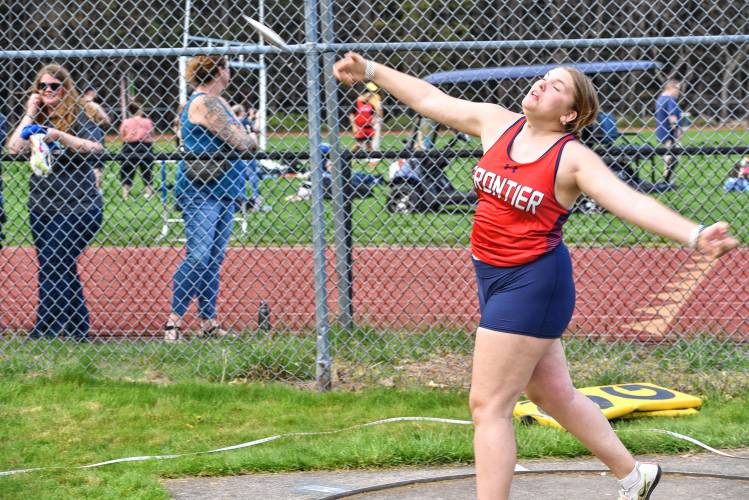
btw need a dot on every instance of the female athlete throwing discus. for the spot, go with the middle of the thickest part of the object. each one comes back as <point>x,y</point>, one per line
<point>532,171</point>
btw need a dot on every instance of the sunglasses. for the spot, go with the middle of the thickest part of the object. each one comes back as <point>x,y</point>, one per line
<point>51,86</point>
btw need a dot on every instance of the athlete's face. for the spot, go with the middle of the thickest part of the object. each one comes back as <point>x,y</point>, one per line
<point>552,96</point>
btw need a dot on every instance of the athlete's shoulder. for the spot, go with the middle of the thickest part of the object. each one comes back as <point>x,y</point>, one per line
<point>497,121</point>
<point>575,148</point>
<point>576,154</point>
<point>498,117</point>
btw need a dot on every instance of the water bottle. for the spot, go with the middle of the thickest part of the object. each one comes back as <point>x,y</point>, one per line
<point>263,317</point>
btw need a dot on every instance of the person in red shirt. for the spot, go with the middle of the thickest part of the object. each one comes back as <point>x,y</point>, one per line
<point>137,137</point>
<point>362,119</point>
<point>532,171</point>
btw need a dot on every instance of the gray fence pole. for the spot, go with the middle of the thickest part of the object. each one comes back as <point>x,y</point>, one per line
<point>659,41</point>
<point>324,380</point>
<point>341,178</point>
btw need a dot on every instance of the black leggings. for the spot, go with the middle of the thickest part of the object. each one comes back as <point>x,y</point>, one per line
<point>128,167</point>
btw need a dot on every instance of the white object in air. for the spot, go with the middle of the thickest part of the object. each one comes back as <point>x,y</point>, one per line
<point>267,34</point>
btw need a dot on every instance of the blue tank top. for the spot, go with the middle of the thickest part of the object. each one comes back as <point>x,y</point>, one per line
<point>198,139</point>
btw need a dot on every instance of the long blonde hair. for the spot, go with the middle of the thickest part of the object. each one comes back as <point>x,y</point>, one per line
<point>66,112</point>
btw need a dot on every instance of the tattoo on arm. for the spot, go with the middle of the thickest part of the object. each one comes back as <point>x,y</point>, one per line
<point>221,124</point>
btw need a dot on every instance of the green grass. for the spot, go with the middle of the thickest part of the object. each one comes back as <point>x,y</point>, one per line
<point>254,356</point>
<point>138,222</point>
<point>366,357</point>
<point>71,418</point>
<point>68,404</point>
<point>702,365</point>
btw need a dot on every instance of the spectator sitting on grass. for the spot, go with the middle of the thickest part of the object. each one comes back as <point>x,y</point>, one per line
<point>738,178</point>
<point>360,185</point>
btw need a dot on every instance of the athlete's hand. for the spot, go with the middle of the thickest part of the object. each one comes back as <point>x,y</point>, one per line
<point>350,69</point>
<point>715,240</point>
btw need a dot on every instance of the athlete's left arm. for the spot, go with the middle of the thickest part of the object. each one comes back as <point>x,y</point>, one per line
<point>594,178</point>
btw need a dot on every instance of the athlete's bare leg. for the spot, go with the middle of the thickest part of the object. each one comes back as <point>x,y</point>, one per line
<point>502,365</point>
<point>551,388</point>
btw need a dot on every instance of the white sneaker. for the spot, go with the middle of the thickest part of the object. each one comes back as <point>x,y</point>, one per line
<point>650,474</point>
<point>171,333</point>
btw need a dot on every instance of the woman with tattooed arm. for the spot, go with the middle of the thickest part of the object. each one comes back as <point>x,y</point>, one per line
<point>207,191</point>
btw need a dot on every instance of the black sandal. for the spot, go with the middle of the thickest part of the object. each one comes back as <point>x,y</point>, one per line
<point>171,333</point>
<point>213,332</point>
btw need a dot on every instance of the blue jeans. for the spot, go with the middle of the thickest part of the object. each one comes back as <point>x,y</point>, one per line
<point>59,240</point>
<point>208,224</point>
<point>254,178</point>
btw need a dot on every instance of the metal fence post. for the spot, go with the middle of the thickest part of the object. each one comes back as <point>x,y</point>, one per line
<point>318,209</point>
<point>341,176</point>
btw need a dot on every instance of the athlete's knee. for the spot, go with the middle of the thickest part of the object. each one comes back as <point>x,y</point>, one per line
<point>489,407</point>
<point>552,394</point>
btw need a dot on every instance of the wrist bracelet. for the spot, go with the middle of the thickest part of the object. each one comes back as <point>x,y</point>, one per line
<point>694,236</point>
<point>369,71</point>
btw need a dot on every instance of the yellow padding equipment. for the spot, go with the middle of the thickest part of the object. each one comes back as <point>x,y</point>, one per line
<point>633,400</point>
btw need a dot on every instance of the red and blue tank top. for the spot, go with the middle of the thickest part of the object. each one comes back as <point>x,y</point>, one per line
<point>518,217</point>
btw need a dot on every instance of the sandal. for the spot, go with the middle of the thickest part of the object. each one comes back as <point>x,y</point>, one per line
<point>214,331</point>
<point>171,333</point>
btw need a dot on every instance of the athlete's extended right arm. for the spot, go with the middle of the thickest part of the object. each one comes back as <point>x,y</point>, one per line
<point>423,97</point>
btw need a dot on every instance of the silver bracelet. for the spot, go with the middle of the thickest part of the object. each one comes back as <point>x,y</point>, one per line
<point>694,236</point>
<point>369,71</point>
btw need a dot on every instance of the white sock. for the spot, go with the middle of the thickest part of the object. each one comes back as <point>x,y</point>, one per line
<point>632,479</point>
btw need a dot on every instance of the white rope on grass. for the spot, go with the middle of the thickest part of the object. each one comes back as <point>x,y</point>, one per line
<point>323,433</point>
<point>689,439</point>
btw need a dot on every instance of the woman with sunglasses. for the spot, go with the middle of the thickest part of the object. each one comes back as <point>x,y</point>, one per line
<point>65,207</point>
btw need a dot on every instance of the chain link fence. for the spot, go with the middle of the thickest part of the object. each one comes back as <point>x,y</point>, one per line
<point>347,254</point>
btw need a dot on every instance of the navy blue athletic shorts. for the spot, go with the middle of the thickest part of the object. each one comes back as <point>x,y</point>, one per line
<point>535,299</point>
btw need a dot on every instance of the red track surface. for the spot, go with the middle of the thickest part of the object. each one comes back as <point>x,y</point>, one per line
<point>621,292</point>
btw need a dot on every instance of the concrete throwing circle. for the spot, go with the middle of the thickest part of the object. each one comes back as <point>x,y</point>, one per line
<point>559,485</point>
